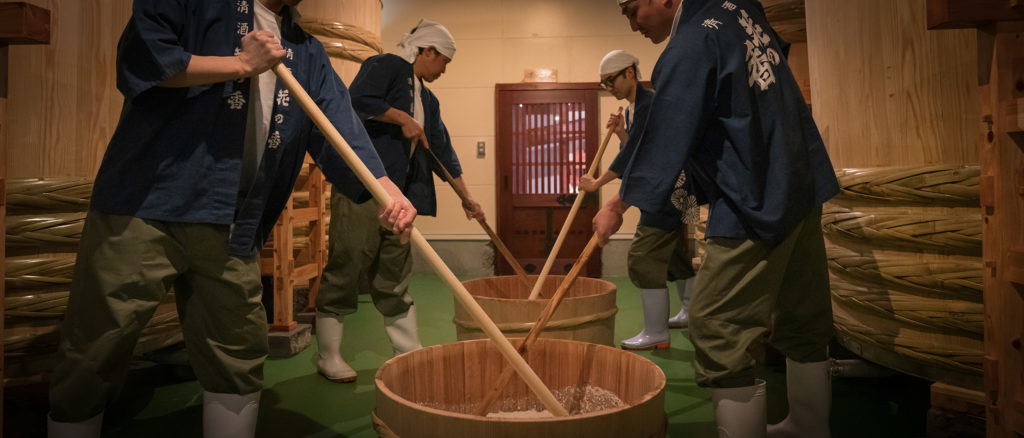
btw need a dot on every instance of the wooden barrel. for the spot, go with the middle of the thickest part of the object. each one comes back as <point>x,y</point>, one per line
<point>42,238</point>
<point>904,254</point>
<point>349,31</point>
<point>429,392</point>
<point>903,237</point>
<point>587,313</point>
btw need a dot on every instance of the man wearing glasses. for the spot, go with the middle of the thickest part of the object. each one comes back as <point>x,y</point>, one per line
<point>659,249</point>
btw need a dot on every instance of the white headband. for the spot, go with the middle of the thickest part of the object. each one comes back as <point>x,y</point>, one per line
<point>616,61</point>
<point>426,34</point>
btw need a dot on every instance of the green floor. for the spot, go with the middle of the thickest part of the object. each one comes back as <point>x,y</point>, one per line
<point>299,403</point>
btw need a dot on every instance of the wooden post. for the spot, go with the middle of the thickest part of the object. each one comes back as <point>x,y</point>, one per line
<point>283,270</point>
<point>20,23</point>
<point>318,205</point>
<point>1000,25</point>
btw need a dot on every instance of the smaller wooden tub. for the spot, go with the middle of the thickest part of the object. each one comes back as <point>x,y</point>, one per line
<point>432,392</point>
<point>587,313</point>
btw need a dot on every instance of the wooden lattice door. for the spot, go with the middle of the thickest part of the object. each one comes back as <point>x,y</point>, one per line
<point>547,136</point>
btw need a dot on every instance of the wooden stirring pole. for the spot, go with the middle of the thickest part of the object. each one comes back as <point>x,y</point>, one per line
<point>542,321</point>
<point>467,301</point>
<point>535,292</point>
<point>511,259</point>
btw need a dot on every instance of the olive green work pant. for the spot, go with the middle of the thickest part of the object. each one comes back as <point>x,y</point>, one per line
<point>361,251</point>
<point>125,267</point>
<point>741,285</point>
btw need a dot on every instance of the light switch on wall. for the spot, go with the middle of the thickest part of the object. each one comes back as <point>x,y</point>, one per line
<point>481,149</point>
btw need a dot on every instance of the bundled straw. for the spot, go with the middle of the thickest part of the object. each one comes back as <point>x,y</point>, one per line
<point>343,31</point>
<point>49,305</point>
<point>55,229</point>
<point>356,43</point>
<point>906,230</point>
<point>946,315</point>
<point>348,52</point>
<point>38,272</point>
<point>48,195</point>
<point>946,185</point>
<point>954,357</point>
<point>962,279</point>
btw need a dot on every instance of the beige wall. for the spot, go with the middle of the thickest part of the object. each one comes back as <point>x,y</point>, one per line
<point>496,41</point>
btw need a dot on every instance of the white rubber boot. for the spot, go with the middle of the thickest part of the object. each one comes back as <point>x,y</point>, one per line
<point>685,290</point>
<point>809,390</point>
<point>328,341</point>
<point>655,333</point>
<point>402,331</point>
<point>230,415</point>
<point>740,412</point>
<point>85,429</point>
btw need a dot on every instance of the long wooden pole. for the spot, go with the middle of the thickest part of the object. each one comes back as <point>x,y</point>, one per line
<point>467,301</point>
<point>542,321</point>
<point>535,292</point>
<point>466,204</point>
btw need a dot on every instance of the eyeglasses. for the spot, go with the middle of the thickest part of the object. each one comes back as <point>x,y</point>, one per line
<point>609,82</point>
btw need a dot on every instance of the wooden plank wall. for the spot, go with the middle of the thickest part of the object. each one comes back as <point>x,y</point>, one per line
<point>63,105</point>
<point>888,92</point>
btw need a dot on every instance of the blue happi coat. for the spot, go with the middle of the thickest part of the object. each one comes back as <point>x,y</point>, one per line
<point>729,127</point>
<point>669,219</point>
<point>176,153</point>
<point>386,81</point>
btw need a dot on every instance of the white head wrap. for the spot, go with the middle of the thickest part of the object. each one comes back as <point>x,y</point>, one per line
<point>616,61</point>
<point>622,2</point>
<point>426,34</point>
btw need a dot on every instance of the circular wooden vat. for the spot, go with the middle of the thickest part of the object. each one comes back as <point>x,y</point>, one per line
<point>587,312</point>
<point>429,392</point>
<point>349,30</point>
<point>904,253</point>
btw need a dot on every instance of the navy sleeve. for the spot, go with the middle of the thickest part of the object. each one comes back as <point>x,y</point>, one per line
<point>332,97</point>
<point>643,105</point>
<point>686,81</point>
<point>440,141</point>
<point>371,85</point>
<point>150,49</point>
<point>622,158</point>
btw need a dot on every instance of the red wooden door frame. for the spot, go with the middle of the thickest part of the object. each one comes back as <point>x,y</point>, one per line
<point>529,223</point>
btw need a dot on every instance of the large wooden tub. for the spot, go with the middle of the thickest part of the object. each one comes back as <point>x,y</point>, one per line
<point>904,254</point>
<point>587,313</point>
<point>431,392</point>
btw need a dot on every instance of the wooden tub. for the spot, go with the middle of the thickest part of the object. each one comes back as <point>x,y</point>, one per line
<point>587,313</point>
<point>431,392</point>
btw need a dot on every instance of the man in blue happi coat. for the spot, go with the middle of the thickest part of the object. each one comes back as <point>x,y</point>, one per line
<point>403,119</point>
<point>659,250</point>
<point>728,127</point>
<point>205,156</point>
